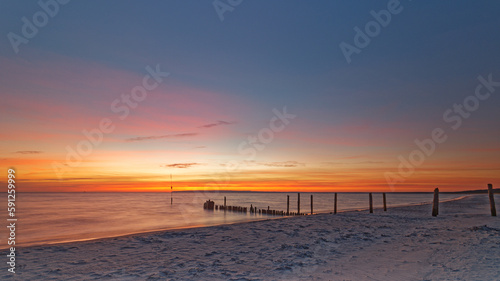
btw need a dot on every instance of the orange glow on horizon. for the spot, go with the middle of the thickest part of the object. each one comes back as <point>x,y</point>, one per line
<point>189,141</point>
<point>255,186</point>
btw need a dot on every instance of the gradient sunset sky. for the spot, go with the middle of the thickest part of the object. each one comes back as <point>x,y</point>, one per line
<point>353,122</point>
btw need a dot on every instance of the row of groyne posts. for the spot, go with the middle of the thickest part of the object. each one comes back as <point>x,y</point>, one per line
<point>210,205</point>
<point>491,195</point>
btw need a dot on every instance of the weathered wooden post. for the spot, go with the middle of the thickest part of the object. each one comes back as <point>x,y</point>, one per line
<point>287,205</point>
<point>492,200</point>
<point>224,203</point>
<point>435,203</point>
<point>385,202</point>
<point>311,205</point>
<point>371,202</point>
<point>298,203</point>
<point>335,204</point>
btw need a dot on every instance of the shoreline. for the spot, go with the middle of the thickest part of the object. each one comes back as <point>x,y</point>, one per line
<point>404,243</point>
<point>270,217</point>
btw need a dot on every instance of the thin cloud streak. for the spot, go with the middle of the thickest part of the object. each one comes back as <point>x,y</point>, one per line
<point>219,123</point>
<point>161,137</point>
<point>181,165</point>
<point>29,152</point>
<point>285,164</point>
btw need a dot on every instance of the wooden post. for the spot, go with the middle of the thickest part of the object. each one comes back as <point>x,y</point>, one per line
<point>287,204</point>
<point>224,203</point>
<point>435,203</point>
<point>311,204</point>
<point>492,200</point>
<point>335,204</point>
<point>385,202</point>
<point>298,203</point>
<point>371,202</point>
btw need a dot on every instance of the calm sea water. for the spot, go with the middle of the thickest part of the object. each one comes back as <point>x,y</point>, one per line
<point>47,218</point>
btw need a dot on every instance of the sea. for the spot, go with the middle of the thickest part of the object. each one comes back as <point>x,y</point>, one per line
<point>51,218</point>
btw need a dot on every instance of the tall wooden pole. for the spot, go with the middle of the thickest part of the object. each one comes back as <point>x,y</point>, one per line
<point>311,204</point>
<point>224,203</point>
<point>385,202</point>
<point>435,203</point>
<point>371,203</point>
<point>287,205</point>
<point>298,203</point>
<point>335,204</point>
<point>492,200</point>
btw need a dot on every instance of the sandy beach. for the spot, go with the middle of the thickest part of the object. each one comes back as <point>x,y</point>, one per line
<point>404,243</point>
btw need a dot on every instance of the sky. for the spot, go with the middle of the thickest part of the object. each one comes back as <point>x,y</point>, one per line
<point>256,95</point>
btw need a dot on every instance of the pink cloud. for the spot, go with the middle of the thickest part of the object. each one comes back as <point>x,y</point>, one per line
<point>58,97</point>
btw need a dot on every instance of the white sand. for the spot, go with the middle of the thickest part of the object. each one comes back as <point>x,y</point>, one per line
<point>462,243</point>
